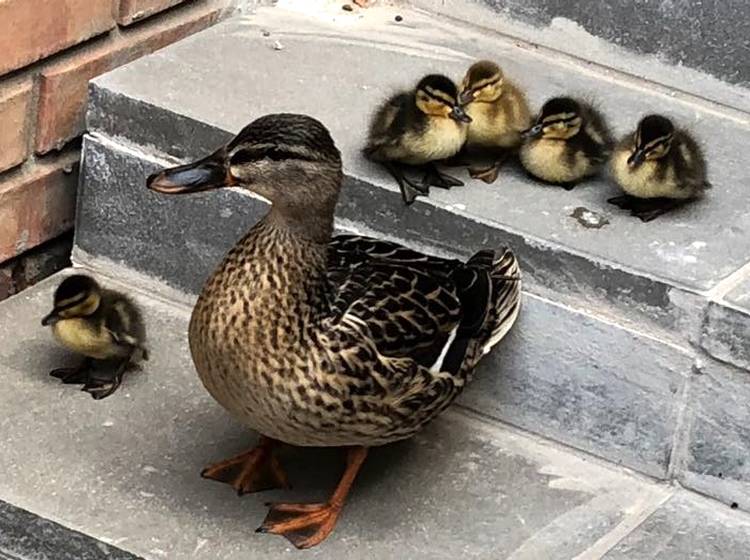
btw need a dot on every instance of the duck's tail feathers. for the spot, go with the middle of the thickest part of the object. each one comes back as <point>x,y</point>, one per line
<point>506,297</point>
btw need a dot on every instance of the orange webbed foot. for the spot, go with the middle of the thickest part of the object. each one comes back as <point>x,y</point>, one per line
<point>253,471</point>
<point>304,525</point>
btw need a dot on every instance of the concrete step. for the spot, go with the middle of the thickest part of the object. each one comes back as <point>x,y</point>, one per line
<point>633,344</point>
<point>124,471</point>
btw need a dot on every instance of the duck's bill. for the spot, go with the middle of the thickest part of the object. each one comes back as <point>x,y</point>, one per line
<point>458,114</point>
<point>465,97</point>
<point>636,158</point>
<point>203,175</point>
<point>533,132</point>
<point>50,319</point>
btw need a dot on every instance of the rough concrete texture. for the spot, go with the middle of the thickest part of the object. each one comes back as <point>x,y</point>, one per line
<point>740,295</point>
<point>125,470</point>
<point>565,375</point>
<point>157,103</point>
<point>687,527</point>
<point>25,536</point>
<point>586,383</point>
<point>655,41</point>
<point>726,334</point>
<point>716,460</point>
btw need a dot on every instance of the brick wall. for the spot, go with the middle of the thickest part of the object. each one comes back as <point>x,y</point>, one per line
<point>49,49</point>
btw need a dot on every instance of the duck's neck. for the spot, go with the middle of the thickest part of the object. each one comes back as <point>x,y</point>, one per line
<point>288,266</point>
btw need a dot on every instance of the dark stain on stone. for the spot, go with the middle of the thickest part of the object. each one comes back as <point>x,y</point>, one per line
<point>588,218</point>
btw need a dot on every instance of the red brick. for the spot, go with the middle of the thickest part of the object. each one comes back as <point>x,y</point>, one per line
<point>63,86</point>
<point>14,110</point>
<point>37,205</point>
<point>33,29</point>
<point>136,10</point>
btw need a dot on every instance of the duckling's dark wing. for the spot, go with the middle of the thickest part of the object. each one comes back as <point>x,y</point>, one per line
<point>597,141</point>
<point>389,122</point>
<point>689,162</point>
<point>123,321</point>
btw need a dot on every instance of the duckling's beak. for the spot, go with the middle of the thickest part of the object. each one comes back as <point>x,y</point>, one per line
<point>458,114</point>
<point>211,172</point>
<point>50,319</point>
<point>533,132</point>
<point>636,158</point>
<point>465,97</point>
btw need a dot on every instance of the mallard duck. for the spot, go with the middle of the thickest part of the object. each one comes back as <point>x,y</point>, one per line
<point>499,114</point>
<point>102,325</point>
<point>569,141</point>
<point>418,128</point>
<point>659,167</point>
<point>319,341</point>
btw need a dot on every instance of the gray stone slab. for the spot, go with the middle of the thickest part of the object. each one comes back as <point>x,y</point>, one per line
<point>726,334</point>
<point>688,527</point>
<point>339,71</point>
<point>740,295</point>
<point>25,536</point>
<point>659,37</point>
<point>586,383</point>
<point>717,458</point>
<point>125,470</point>
<point>179,239</point>
<point>566,375</point>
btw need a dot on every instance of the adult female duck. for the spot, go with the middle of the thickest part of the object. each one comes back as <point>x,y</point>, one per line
<point>320,341</point>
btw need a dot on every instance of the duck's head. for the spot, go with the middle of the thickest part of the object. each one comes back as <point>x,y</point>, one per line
<point>559,119</point>
<point>76,297</point>
<point>437,96</point>
<point>653,139</point>
<point>288,159</point>
<point>483,83</point>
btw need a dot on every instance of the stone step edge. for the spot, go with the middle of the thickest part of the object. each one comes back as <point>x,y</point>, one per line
<point>695,305</point>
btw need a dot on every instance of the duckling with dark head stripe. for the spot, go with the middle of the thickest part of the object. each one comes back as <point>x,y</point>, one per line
<point>418,128</point>
<point>102,325</point>
<point>659,167</point>
<point>499,114</point>
<point>569,141</point>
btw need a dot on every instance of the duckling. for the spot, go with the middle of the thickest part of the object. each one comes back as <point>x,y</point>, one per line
<point>315,340</point>
<point>569,141</point>
<point>102,325</point>
<point>418,128</point>
<point>659,167</point>
<point>499,114</point>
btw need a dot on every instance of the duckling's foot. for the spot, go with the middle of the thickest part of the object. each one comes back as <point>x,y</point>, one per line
<point>253,471</point>
<point>568,186</point>
<point>652,209</point>
<point>306,525</point>
<point>626,202</point>
<point>70,375</point>
<point>410,190</point>
<point>434,177</point>
<point>486,174</point>
<point>102,388</point>
<point>74,375</point>
<point>459,160</point>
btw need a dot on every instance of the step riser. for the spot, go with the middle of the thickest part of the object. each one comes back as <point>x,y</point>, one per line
<point>615,35</point>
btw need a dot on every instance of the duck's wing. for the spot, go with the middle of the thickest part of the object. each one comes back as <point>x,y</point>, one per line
<point>409,305</point>
<point>123,321</point>
<point>388,123</point>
